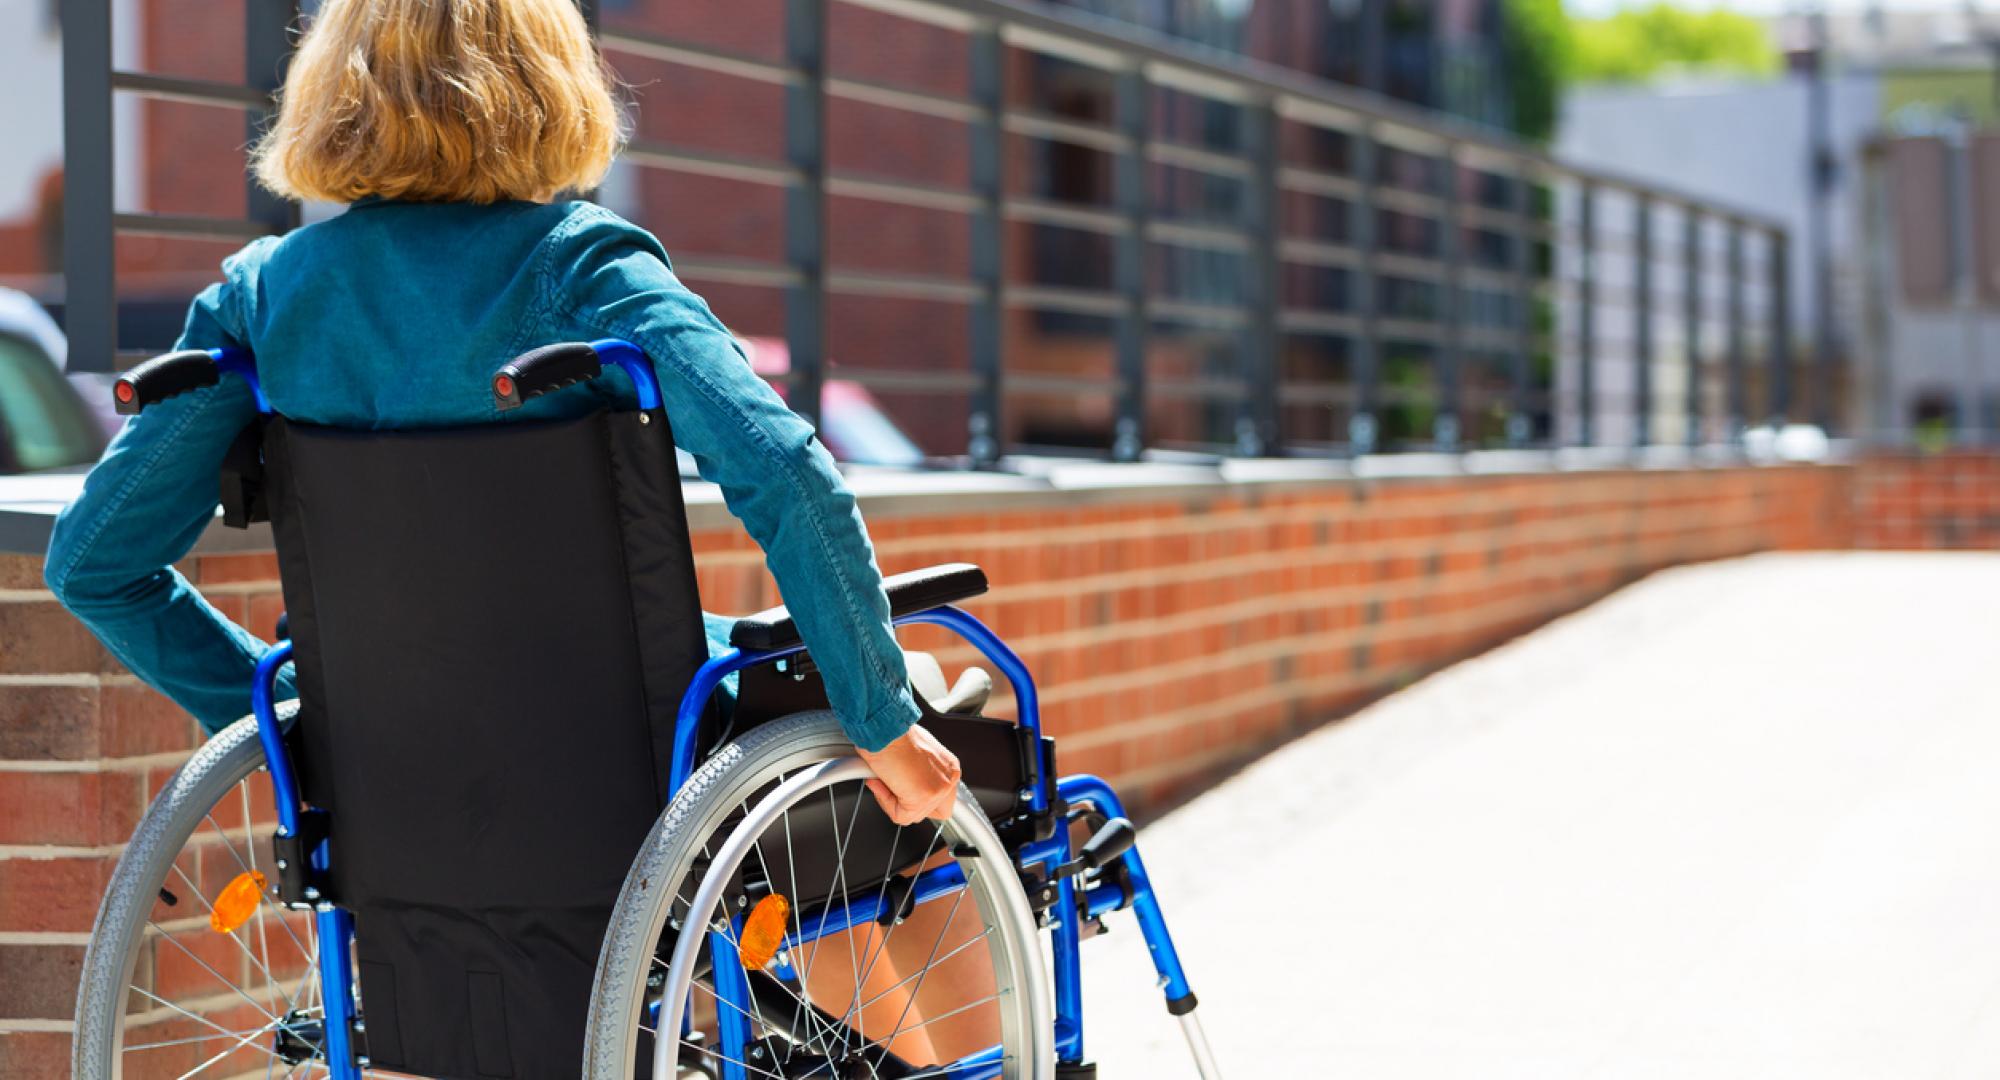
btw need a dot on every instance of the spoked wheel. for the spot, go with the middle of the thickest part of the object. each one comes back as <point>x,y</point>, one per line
<point>776,925</point>
<point>193,970</point>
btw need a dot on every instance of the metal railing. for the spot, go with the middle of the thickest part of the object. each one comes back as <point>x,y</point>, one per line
<point>1516,281</point>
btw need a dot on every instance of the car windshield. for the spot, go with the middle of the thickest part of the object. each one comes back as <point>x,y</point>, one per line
<point>43,424</point>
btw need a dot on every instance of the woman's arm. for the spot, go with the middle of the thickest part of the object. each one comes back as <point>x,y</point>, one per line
<point>142,508</point>
<point>611,279</point>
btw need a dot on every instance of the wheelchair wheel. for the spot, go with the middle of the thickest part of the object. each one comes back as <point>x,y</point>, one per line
<point>193,970</point>
<point>832,943</point>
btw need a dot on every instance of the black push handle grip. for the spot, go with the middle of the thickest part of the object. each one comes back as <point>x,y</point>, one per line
<point>540,371</point>
<point>163,377</point>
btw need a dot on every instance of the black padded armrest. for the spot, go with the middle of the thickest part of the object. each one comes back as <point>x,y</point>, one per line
<point>918,590</point>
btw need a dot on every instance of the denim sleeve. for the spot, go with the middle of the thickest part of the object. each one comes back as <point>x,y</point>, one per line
<point>612,279</point>
<point>143,507</point>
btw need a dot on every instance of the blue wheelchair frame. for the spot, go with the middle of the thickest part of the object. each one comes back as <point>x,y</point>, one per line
<point>335,927</point>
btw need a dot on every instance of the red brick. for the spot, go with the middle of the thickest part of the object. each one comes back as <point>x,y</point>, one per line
<point>38,982</point>
<point>40,723</point>
<point>40,638</point>
<point>51,895</point>
<point>33,1055</point>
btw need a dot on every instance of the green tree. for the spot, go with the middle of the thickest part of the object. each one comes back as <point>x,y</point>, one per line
<point>1639,44</point>
<point>1538,42</point>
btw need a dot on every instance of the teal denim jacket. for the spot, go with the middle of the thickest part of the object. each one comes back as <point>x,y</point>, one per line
<point>394,316</point>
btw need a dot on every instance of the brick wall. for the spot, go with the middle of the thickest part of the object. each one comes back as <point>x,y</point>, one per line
<point>1945,501</point>
<point>1173,635</point>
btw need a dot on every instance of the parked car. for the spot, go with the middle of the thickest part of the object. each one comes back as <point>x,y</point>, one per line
<point>851,423</point>
<point>47,420</point>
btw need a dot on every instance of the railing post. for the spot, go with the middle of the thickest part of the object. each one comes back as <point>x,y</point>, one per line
<point>1586,314</point>
<point>1642,430</point>
<point>266,49</point>
<point>985,435</point>
<point>805,204</point>
<point>1451,308</point>
<point>1363,428</point>
<point>1520,418</point>
<point>90,249</point>
<point>1691,253</point>
<point>1257,427</point>
<point>1779,370</point>
<point>1134,103</point>
<point>1738,392</point>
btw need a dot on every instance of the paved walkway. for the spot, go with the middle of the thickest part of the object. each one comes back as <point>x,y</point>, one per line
<point>1739,820</point>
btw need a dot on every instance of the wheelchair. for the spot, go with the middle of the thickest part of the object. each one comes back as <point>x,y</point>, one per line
<point>511,828</point>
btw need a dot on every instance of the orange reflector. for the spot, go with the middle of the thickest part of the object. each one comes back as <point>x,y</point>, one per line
<point>503,385</point>
<point>236,902</point>
<point>764,931</point>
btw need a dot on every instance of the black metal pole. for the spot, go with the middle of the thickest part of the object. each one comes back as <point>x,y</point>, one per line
<point>986,438</point>
<point>1779,406</point>
<point>1691,258</point>
<point>89,246</point>
<point>267,48</point>
<point>1134,100</point>
<point>1738,392</point>
<point>1258,430</point>
<point>1447,429</point>
<point>1520,415</point>
<point>1363,427</point>
<point>1586,315</point>
<point>1642,430</point>
<point>805,205</point>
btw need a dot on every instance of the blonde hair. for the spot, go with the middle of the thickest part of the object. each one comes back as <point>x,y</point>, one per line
<point>442,101</point>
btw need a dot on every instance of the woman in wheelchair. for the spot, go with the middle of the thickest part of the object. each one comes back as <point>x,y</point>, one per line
<point>504,677</point>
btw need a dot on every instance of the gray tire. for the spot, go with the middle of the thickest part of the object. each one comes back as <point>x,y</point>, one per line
<point>225,761</point>
<point>723,785</point>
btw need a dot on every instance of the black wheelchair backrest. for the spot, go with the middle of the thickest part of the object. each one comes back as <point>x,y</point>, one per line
<point>493,628</point>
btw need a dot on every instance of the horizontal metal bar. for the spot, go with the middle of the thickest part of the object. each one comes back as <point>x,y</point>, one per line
<point>902,193</point>
<point>1317,394</point>
<point>927,13</point>
<point>904,286</point>
<point>895,97</point>
<point>1421,267</point>
<point>1226,316</point>
<point>1058,42</point>
<point>1320,114</point>
<point>1044,212</point>
<point>1034,382</point>
<point>1228,238</point>
<point>1198,159</point>
<point>1409,202</point>
<point>1056,129</point>
<point>189,226</point>
<point>1410,330</point>
<point>1118,45</point>
<point>1313,182</point>
<point>709,163</point>
<point>1318,253</point>
<point>1072,301</point>
<point>1487,217</point>
<point>701,57</point>
<point>190,91</point>
<point>1302,321</point>
<point>1200,84</point>
<point>735,271</point>
<point>1230,389</point>
<point>920,382</point>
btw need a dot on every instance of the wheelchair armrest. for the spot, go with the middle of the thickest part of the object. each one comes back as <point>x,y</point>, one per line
<point>918,590</point>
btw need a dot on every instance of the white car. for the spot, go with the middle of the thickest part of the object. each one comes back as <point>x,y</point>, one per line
<point>46,419</point>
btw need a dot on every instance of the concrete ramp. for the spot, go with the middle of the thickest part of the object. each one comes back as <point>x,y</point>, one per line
<point>1738,820</point>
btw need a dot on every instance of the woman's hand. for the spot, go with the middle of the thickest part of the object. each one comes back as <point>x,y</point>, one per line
<point>915,777</point>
